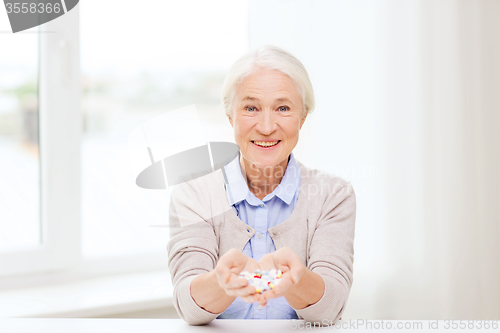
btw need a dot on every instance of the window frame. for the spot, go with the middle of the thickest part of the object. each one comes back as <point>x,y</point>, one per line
<point>59,98</point>
<point>59,257</point>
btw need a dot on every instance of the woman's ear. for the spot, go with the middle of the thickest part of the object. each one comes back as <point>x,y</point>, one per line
<point>230,119</point>
<point>302,121</point>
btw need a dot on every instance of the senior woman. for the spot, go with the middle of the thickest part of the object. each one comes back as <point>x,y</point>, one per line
<point>263,210</point>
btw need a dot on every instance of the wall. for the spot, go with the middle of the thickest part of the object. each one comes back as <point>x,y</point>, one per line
<point>408,110</point>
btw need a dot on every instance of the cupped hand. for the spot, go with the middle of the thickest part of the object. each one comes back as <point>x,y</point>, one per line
<point>286,260</point>
<point>230,265</point>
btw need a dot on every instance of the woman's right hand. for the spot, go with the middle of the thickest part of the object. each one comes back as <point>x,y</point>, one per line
<point>230,265</point>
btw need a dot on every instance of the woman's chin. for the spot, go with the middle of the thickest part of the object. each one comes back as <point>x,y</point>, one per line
<point>263,162</point>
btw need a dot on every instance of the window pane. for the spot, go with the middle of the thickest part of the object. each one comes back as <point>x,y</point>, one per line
<point>19,157</point>
<point>152,58</point>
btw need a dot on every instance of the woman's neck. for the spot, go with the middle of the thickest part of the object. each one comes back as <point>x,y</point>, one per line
<point>262,181</point>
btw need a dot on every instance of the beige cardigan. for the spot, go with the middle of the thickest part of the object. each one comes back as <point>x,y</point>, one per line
<point>203,226</point>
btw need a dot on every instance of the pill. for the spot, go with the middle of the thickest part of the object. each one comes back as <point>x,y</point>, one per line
<point>263,280</point>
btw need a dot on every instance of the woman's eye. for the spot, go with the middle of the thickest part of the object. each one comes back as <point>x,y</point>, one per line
<point>283,108</point>
<point>251,108</point>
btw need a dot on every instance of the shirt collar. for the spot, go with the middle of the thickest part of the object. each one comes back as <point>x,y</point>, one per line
<point>237,188</point>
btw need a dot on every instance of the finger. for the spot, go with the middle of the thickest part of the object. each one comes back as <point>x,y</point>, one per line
<point>248,299</point>
<point>286,256</point>
<point>251,265</point>
<point>233,260</point>
<point>223,274</point>
<point>253,299</point>
<point>296,272</point>
<point>267,262</point>
<point>260,299</point>
<point>269,294</point>
<point>279,290</point>
<point>235,282</point>
<point>297,268</point>
<point>225,266</point>
<point>234,255</point>
<point>242,292</point>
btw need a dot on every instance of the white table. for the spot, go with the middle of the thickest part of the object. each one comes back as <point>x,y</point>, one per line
<point>107,325</point>
<point>100,325</point>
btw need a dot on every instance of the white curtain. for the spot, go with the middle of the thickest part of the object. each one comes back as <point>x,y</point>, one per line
<point>408,110</point>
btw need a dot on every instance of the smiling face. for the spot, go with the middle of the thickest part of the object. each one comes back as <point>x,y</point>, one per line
<point>267,115</point>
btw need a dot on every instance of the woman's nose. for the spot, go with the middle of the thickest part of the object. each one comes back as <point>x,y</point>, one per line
<point>267,122</point>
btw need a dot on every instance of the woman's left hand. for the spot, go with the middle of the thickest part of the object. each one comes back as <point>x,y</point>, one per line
<point>290,265</point>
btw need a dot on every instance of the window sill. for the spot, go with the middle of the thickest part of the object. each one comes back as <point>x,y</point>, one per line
<point>93,297</point>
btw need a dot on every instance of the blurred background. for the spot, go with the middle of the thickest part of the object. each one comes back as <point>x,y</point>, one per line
<point>408,110</point>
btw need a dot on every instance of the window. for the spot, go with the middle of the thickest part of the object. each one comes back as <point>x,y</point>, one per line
<point>19,150</point>
<point>56,221</point>
<point>132,71</point>
<point>98,81</point>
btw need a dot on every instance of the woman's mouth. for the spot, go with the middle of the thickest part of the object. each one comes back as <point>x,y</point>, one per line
<point>266,144</point>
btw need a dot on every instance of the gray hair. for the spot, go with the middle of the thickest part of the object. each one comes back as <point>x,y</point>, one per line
<point>271,58</point>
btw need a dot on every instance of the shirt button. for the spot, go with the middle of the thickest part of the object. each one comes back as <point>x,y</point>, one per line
<point>262,205</point>
<point>260,307</point>
<point>260,236</point>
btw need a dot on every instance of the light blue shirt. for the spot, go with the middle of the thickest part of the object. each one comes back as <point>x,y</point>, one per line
<point>261,215</point>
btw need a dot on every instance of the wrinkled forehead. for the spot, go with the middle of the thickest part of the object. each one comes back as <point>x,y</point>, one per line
<point>268,86</point>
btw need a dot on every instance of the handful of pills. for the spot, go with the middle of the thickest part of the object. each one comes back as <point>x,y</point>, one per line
<point>262,280</point>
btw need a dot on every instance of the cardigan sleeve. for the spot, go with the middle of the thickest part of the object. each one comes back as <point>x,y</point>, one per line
<point>331,256</point>
<point>192,250</point>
